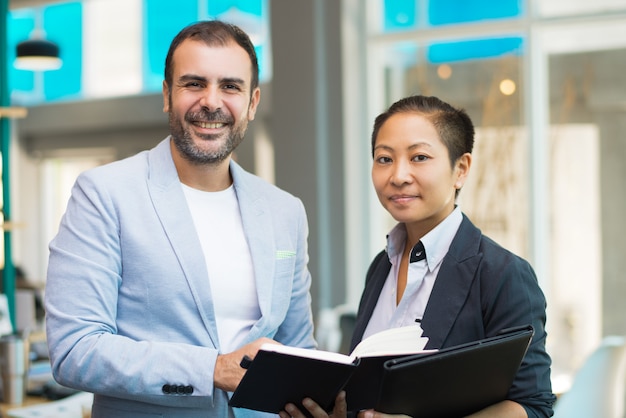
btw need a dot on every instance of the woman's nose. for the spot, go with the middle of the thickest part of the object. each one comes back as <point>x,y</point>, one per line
<point>401,173</point>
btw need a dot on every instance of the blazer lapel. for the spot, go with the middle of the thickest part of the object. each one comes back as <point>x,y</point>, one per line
<point>170,204</point>
<point>375,280</point>
<point>257,224</point>
<point>452,285</point>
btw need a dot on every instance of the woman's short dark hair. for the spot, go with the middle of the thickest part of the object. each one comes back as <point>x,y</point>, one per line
<point>213,33</point>
<point>453,125</point>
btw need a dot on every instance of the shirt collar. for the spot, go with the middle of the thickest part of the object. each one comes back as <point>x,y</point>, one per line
<point>436,242</point>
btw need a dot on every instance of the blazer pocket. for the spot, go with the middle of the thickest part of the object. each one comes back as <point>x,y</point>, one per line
<point>285,262</point>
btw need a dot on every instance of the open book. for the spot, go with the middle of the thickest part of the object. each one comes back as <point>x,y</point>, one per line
<point>280,374</point>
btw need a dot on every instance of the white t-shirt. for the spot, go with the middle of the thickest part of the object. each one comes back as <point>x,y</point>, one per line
<point>228,261</point>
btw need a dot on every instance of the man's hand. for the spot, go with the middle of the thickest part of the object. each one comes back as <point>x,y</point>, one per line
<point>228,372</point>
<point>339,410</point>
<point>370,413</point>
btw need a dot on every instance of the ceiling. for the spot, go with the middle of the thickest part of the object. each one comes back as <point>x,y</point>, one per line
<point>21,4</point>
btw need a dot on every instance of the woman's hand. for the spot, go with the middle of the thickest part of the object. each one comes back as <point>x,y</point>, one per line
<point>339,410</point>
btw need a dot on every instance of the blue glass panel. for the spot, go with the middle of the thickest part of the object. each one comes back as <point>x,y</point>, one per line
<point>20,25</point>
<point>63,25</point>
<point>441,12</point>
<point>474,49</point>
<point>399,14</point>
<point>162,21</point>
<point>217,7</point>
<point>250,16</point>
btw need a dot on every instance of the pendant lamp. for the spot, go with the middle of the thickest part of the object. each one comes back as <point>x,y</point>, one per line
<point>37,54</point>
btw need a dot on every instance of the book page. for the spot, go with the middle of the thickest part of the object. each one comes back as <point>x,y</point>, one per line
<point>392,341</point>
<point>308,353</point>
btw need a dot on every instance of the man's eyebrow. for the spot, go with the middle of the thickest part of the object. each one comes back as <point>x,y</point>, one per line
<point>191,77</point>
<point>232,80</point>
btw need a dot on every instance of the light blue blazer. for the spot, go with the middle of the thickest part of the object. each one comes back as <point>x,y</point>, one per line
<point>128,302</point>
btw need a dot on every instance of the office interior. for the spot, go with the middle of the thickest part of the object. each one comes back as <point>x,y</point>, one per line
<point>543,80</point>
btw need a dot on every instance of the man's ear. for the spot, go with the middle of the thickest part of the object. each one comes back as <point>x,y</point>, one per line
<point>166,97</point>
<point>254,103</point>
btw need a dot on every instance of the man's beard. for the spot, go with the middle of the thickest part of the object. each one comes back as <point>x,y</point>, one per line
<point>195,154</point>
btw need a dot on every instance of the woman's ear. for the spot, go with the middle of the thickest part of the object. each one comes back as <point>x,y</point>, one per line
<point>462,169</point>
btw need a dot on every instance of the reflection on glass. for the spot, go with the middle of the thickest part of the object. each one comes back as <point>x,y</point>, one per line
<point>555,8</point>
<point>401,15</point>
<point>588,230</point>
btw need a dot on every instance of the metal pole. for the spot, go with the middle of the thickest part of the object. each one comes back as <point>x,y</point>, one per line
<point>8,276</point>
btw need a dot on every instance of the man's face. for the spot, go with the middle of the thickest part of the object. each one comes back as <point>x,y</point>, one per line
<point>210,101</point>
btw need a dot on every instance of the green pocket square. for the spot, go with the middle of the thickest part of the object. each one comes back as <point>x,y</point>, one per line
<point>282,254</point>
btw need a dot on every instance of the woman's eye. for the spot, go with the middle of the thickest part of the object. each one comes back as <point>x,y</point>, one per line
<point>383,160</point>
<point>421,158</point>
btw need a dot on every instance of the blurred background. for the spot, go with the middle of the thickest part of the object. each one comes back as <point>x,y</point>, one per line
<point>543,80</point>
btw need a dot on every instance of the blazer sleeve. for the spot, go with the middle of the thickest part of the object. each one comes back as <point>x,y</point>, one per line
<point>519,300</point>
<point>90,349</point>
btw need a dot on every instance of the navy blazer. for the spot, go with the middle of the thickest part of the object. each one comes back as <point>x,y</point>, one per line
<point>480,290</point>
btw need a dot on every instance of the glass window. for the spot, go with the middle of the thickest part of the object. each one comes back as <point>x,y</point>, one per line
<point>587,228</point>
<point>161,23</point>
<point>444,12</point>
<point>20,26</point>
<point>553,8</point>
<point>251,16</point>
<point>62,24</point>
<point>93,72</point>
<point>401,15</point>
<point>549,155</point>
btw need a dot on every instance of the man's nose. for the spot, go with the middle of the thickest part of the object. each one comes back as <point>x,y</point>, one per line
<point>211,99</point>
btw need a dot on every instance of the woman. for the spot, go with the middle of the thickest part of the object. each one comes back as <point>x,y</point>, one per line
<point>437,267</point>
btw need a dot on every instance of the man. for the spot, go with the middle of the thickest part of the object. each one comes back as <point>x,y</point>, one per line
<point>171,265</point>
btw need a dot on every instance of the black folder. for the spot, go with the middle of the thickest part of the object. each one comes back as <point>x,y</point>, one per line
<point>452,382</point>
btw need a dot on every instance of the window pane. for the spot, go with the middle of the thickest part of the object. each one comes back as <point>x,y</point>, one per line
<point>20,26</point>
<point>553,8</point>
<point>252,17</point>
<point>442,12</point>
<point>414,14</point>
<point>63,25</point>
<point>399,14</point>
<point>161,23</point>
<point>587,154</point>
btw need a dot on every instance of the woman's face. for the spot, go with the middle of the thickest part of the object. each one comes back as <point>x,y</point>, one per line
<point>412,174</point>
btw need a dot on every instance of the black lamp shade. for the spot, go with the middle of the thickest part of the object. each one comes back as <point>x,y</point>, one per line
<point>37,54</point>
<point>37,48</point>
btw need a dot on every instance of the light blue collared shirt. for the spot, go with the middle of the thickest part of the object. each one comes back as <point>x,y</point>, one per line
<point>421,275</point>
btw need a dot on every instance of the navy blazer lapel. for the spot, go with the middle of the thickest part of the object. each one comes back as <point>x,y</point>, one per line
<point>453,284</point>
<point>375,280</point>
